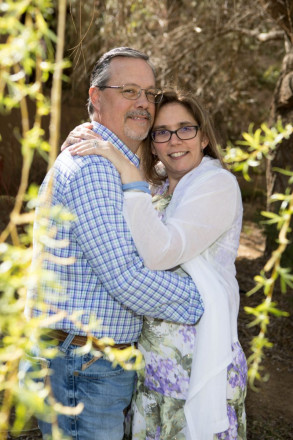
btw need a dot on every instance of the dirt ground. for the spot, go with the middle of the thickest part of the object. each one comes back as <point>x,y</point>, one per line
<point>270,410</point>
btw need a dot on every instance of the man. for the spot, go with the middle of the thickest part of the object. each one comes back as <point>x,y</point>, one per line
<point>108,279</point>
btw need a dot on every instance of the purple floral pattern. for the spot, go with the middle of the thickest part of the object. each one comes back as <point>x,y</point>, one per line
<point>188,332</point>
<point>157,435</point>
<point>237,372</point>
<point>166,377</point>
<point>232,432</point>
<point>165,372</point>
<point>162,387</point>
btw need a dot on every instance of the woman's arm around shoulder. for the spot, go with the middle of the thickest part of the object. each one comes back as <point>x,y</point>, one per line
<point>199,213</point>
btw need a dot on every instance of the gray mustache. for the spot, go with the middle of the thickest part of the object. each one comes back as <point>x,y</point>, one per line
<point>144,113</point>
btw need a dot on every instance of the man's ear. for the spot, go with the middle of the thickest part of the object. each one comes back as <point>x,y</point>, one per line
<point>94,94</point>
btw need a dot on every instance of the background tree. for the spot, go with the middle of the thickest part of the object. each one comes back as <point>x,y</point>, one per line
<point>229,53</point>
<point>282,108</point>
<point>215,49</point>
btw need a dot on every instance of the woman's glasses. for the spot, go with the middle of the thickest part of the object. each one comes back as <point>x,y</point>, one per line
<point>183,133</point>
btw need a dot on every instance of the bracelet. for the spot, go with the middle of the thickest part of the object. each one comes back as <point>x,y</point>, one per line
<point>136,186</point>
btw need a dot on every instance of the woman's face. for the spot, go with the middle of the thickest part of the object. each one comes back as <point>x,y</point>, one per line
<point>178,156</point>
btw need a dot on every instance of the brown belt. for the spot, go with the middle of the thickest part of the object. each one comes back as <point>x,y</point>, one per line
<point>80,340</point>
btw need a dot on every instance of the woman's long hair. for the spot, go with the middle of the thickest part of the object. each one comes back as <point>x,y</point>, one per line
<point>149,161</point>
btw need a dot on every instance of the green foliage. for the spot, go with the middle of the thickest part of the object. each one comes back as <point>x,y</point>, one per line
<point>214,49</point>
<point>28,41</point>
<point>270,76</point>
<point>27,59</point>
<point>257,146</point>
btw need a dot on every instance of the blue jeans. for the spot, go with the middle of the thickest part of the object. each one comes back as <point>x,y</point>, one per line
<point>105,392</point>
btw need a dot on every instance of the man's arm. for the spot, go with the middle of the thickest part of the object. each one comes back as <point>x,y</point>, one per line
<point>101,231</point>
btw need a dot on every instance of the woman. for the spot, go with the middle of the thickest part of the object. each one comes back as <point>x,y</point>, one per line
<point>194,383</point>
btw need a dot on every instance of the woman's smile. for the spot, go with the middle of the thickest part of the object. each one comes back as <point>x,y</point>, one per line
<point>178,155</point>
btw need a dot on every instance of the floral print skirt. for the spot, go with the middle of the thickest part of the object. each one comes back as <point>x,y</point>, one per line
<point>160,417</point>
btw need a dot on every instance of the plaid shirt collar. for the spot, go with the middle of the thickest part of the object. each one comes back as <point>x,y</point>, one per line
<point>108,135</point>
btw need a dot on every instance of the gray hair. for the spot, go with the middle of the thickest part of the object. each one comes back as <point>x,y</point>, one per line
<point>101,71</point>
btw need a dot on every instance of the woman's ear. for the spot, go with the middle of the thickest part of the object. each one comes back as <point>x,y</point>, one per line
<point>204,142</point>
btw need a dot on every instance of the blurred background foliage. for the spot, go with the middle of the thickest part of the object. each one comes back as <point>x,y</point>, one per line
<point>229,53</point>
<point>217,49</point>
<point>235,55</point>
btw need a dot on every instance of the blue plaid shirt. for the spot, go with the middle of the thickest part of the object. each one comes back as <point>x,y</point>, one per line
<point>108,279</point>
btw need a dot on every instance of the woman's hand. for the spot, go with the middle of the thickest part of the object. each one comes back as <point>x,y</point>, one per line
<point>80,133</point>
<point>126,169</point>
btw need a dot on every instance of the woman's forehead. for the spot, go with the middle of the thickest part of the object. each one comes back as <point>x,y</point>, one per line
<point>173,112</point>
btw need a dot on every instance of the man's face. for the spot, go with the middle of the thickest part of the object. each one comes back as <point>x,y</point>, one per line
<point>130,120</point>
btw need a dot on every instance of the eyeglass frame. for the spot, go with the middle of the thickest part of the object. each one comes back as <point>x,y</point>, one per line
<point>171,132</point>
<point>139,93</point>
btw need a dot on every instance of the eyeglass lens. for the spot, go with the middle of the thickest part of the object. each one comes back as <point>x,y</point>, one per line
<point>183,133</point>
<point>134,92</point>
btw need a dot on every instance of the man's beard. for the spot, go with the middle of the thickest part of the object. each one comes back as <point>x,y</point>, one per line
<point>133,134</point>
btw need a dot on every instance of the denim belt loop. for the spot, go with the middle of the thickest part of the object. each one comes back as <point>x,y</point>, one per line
<point>65,344</point>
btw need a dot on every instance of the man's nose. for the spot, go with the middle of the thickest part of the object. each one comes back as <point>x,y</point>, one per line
<point>142,101</point>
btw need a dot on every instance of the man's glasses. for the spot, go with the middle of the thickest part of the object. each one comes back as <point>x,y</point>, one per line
<point>133,91</point>
<point>183,133</point>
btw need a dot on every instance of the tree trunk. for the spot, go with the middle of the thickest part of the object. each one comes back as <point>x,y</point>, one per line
<point>282,108</point>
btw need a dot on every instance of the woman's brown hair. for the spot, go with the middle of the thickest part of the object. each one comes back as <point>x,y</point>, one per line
<point>149,161</point>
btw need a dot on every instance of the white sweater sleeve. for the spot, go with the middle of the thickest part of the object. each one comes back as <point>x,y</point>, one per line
<point>199,218</point>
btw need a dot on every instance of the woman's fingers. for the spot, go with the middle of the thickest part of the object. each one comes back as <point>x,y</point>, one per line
<point>79,133</point>
<point>86,124</point>
<point>96,146</point>
<point>84,133</point>
<point>127,170</point>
